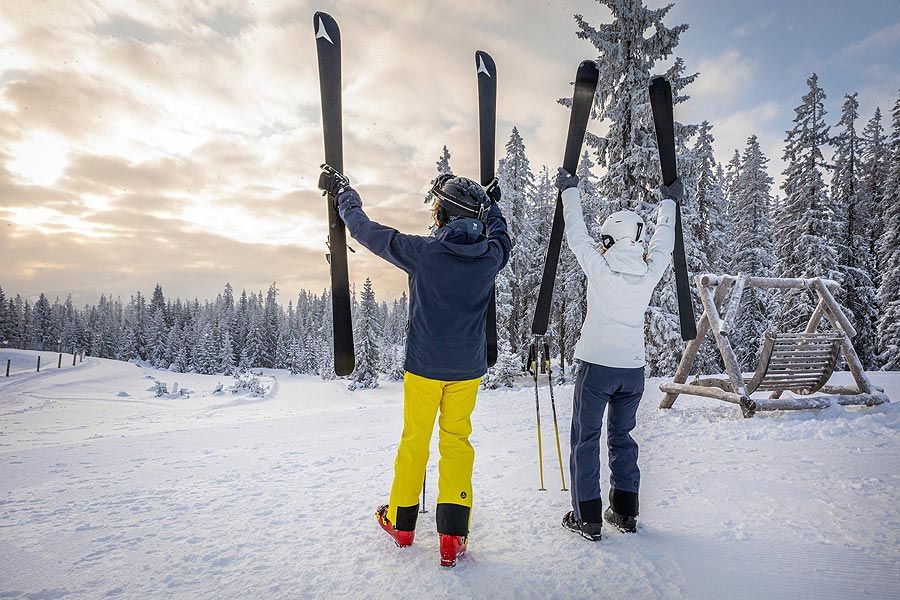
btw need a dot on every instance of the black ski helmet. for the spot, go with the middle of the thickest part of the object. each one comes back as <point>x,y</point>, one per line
<point>458,197</point>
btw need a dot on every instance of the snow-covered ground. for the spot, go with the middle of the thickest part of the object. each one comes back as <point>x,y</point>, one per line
<point>107,490</point>
<point>25,361</point>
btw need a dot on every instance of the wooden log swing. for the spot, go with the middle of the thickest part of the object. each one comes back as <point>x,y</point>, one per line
<point>798,362</point>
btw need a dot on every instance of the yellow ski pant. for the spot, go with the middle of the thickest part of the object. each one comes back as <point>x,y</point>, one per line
<point>423,398</point>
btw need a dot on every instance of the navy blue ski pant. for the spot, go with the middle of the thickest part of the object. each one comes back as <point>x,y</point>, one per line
<point>596,387</point>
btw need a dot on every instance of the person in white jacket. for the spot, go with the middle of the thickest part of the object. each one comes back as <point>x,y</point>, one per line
<point>621,277</point>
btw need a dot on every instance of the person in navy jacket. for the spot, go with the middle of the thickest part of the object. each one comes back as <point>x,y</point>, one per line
<point>451,280</point>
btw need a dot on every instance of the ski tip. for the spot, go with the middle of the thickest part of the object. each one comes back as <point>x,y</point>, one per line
<point>326,27</point>
<point>660,83</point>
<point>484,64</point>
<point>588,68</point>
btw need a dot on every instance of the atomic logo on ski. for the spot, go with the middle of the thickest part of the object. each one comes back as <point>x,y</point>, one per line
<point>321,32</point>
<point>482,68</point>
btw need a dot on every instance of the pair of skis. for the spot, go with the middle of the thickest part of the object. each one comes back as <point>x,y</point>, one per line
<point>582,101</point>
<point>328,48</point>
<point>539,346</point>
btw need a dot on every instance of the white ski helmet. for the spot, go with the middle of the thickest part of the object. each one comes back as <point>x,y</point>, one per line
<point>621,225</point>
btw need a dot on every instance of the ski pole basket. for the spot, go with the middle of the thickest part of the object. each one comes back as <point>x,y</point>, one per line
<point>800,363</point>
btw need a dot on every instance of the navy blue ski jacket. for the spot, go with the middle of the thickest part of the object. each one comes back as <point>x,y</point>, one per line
<point>451,278</point>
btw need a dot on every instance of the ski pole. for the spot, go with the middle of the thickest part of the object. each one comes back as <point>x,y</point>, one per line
<point>424,479</point>
<point>537,406</point>
<point>562,474</point>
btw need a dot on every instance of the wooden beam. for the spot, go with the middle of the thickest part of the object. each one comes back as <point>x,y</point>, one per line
<point>690,351</point>
<point>764,282</point>
<point>722,384</point>
<point>833,309</point>
<point>734,304</point>
<point>699,390</point>
<point>840,390</point>
<point>731,363</point>
<point>813,402</point>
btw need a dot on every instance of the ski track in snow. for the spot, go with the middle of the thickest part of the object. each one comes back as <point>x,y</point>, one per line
<point>227,496</point>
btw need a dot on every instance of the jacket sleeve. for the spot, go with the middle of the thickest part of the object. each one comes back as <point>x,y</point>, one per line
<point>580,242</point>
<point>498,236</point>
<point>399,249</point>
<point>659,255</point>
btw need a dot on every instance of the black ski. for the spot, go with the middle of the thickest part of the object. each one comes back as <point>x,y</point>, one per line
<point>582,101</point>
<point>664,122</point>
<point>328,48</point>
<point>486,72</point>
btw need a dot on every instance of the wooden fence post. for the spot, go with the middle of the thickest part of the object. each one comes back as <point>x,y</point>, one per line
<point>7,366</point>
<point>73,358</point>
<point>59,365</point>
<point>39,364</point>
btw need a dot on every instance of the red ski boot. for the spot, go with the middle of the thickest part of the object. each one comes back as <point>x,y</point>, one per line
<point>401,538</point>
<point>452,548</point>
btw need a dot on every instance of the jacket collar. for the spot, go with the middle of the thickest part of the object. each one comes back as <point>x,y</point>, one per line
<point>627,257</point>
<point>463,237</point>
<point>461,231</point>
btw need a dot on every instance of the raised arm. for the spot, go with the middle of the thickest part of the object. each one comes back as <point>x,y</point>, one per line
<point>497,235</point>
<point>580,242</point>
<point>397,248</point>
<point>388,243</point>
<point>659,254</point>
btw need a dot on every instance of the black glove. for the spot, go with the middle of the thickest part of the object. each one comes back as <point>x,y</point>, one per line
<point>333,182</point>
<point>564,180</point>
<point>493,191</point>
<point>675,191</point>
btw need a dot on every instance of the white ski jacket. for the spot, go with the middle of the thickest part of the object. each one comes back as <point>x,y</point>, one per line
<point>620,283</point>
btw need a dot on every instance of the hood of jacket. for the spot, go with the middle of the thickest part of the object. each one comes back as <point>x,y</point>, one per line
<point>627,257</point>
<point>464,237</point>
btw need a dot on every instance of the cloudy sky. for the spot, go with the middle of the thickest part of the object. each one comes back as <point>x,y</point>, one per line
<point>179,142</point>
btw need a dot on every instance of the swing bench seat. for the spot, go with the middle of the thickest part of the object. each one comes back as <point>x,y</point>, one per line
<point>797,362</point>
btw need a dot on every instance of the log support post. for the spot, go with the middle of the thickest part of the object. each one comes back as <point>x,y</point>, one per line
<point>690,351</point>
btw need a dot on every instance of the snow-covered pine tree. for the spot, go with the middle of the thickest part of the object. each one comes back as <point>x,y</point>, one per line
<point>889,251</point>
<point>394,348</point>
<point>367,343</point>
<point>270,327</point>
<point>157,338</point>
<point>6,325</point>
<point>627,55</point>
<point>505,370</point>
<point>874,177</point>
<point>707,236</point>
<point>324,339</point>
<point>517,186</point>
<point>252,355</point>
<point>710,232</point>
<point>851,197</point>
<point>297,359</point>
<point>225,359</point>
<point>20,317</point>
<point>729,178</point>
<point>443,168</point>
<point>179,350</point>
<point>41,326</point>
<point>731,172</point>
<point>503,285</point>
<point>443,163</point>
<point>806,225</point>
<point>753,250</point>
<point>282,349</point>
